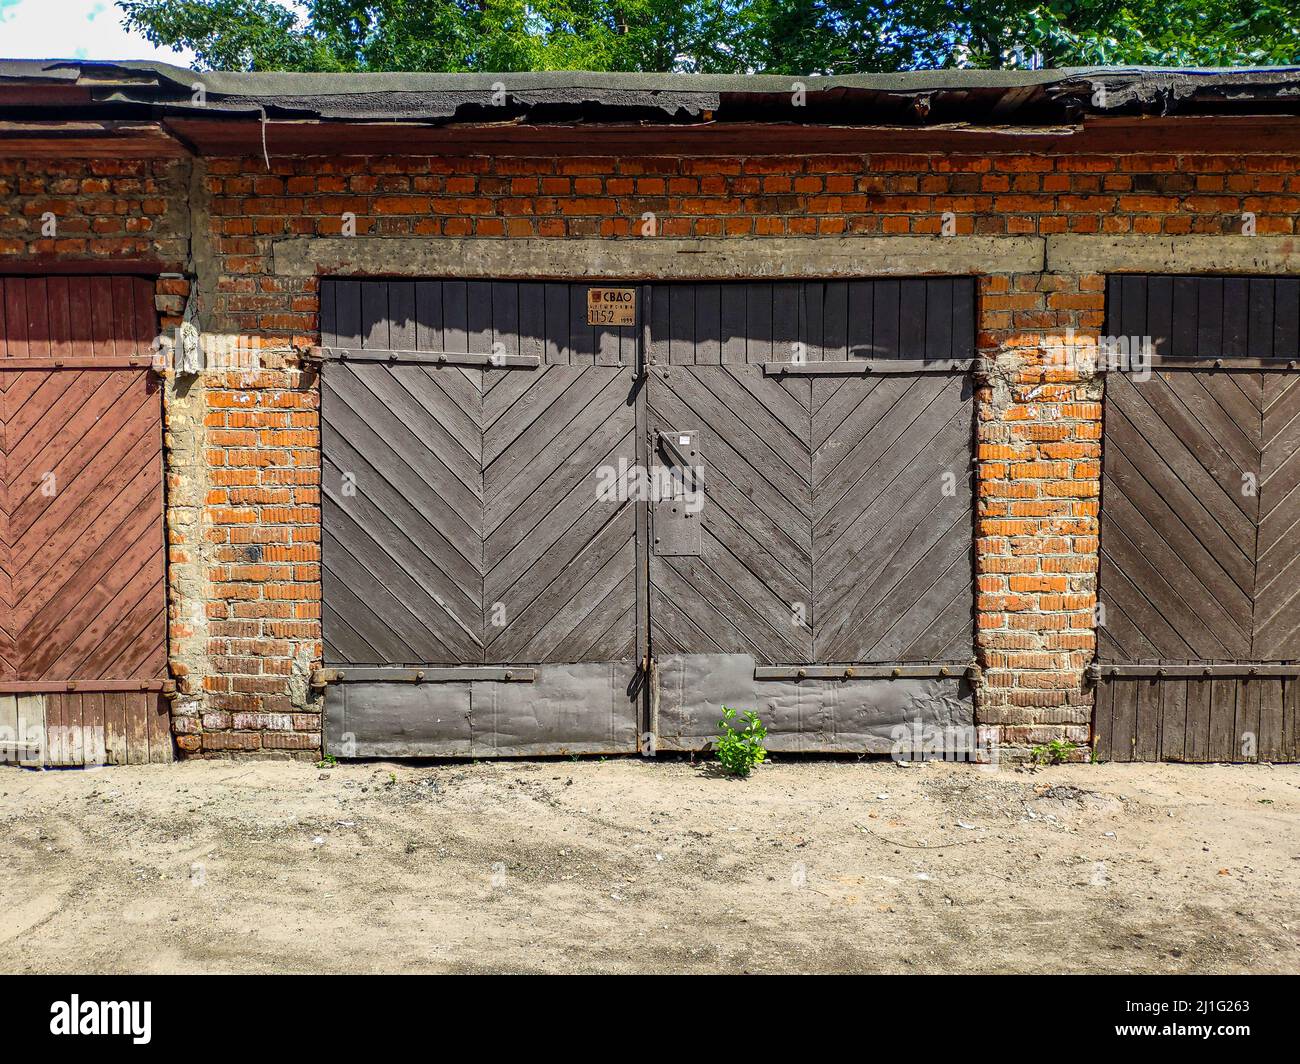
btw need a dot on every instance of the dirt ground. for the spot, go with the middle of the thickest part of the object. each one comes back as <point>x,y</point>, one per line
<point>629,866</point>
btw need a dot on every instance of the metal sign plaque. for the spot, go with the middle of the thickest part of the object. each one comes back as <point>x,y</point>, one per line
<point>611,306</point>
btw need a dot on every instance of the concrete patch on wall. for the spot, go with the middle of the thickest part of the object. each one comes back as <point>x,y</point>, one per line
<point>1198,253</point>
<point>659,259</point>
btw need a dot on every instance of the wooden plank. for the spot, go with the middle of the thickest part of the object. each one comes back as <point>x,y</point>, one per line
<point>1146,737</point>
<point>1133,305</point>
<point>582,337</point>
<point>375,322</point>
<point>15,296</point>
<point>161,746</point>
<point>1235,311</point>
<point>479,297</point>
<point>1286,317</point>
<point>557,324</point>
<point>1272,718</point>
<point>11,741</point>
<point>455,315</point>
<point>1159,325</point>
<point>835,322</point>
<point>55,736</point>
<point>1223,720</point>
<point>938,319</point>
<point>115,730</point>
<point>861,320</point>
<point>1123,720</point>
<point>31,712</point>
<point>1197,742</point>
<point>733,327</point>
<point>137,728</point>
<point>402,320</point>
<point>1262,298</point>
<point>963,318</point>
<point>912,317</point>
<point>1291,721</point>
<point>348,314</point>
<point>1103,725</point>
<point>681,324</point>
<point>428,317</point>
<point>812,322</point>
<point>1249,696</point>
<point>94,747</point>
<point>532,320</point>
<point>760,345</point>
<point>786,338</point>
<point>1173,720</point>
<point>1186,311</point>
<point>885,314</point>
<point>1209,317</point>
<point>708,324</point>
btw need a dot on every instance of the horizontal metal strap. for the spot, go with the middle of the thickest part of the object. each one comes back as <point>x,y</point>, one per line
<point>437,358</point>
<point>428,674</point>
<point>1166,364</point>
<point>861,672</point>
<point>33,687</point>
<point>858,366</point>
<point>1218,671</point>
<point>76,363</point>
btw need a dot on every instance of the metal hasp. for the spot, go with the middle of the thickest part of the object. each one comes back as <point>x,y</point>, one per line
<point>678,495</point>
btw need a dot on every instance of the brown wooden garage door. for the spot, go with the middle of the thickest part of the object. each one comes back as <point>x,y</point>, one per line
<point>1200,580</point>
<point>83,626</point>
<point>483,595</point>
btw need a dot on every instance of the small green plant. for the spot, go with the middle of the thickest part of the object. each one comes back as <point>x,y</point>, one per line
<point>328,761</point>
<point>1057,752</point>
<point>740,751</point>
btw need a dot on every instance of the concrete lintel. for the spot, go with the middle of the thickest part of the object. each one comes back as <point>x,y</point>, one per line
<point>1136,253</point>
<point>659,259</point>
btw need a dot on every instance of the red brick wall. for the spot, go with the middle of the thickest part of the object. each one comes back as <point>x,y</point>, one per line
<point>1039,424</point>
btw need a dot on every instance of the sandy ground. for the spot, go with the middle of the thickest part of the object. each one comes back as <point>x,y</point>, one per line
<point>628,866</point>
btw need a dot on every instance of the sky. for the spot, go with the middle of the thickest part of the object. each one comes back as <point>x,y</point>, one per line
<point>73,29</point>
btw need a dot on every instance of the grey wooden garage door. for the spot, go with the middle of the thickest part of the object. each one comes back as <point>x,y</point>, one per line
<point>463,427</point>
<point>485,593</point>
<point>1200,586</point>
<point>832,424</point>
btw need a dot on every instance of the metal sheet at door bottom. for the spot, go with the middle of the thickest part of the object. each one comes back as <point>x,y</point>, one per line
<point>812,716</point>
<point>583,708</point>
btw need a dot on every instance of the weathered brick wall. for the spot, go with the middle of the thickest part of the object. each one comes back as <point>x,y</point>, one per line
<point>257,632</point>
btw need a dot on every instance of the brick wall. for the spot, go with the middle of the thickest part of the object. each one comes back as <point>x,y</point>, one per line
<point>255,529</point>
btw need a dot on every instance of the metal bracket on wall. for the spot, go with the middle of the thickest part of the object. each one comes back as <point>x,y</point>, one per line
<point>1169,363</point>
<point>34,687</point>
<point>1217,671</point>
<point>430,674</point>
<point>879,366</point>
<point>865,672</point>
<point>436,358</point>
<point>79,363</point>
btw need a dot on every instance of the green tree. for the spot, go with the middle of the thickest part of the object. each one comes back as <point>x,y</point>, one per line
<point>724,36</point>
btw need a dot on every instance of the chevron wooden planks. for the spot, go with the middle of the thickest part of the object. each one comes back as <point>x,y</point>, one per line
<point>468,521</point>
<point>82,551</point>
<point>1200,513</point>
<point>462,523</point>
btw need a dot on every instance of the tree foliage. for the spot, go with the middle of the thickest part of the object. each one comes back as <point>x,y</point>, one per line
<point>717,36</point>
